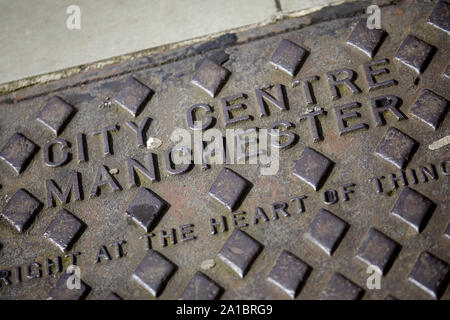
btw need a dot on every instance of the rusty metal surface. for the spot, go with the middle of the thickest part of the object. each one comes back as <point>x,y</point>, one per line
<point>357,186</point>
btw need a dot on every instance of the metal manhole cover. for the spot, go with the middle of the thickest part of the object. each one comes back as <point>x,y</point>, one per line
<point>87,176</point>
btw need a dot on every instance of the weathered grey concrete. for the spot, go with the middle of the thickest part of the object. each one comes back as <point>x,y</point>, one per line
<point>35,39</point>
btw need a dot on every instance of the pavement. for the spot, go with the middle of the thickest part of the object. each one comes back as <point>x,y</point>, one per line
<point>36,40</point>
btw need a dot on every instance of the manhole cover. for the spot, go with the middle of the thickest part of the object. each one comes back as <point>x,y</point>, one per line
<point>356,207</point>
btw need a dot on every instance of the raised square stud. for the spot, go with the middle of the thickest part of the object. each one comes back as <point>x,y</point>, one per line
<point>21,210</point>
<point>365,39</point>
<point>62,292</point>
<point>396,148</point>
<point>201,287</point>
<point>18,152</point>
<point>133,96</point>
<point>415,53</point>
<point>289,274</point>
<point>288,57</point>
<point>341,288</point>
<point>113,296</point>
<point>210,77</point>
<point>229,188</point>
<point>447,232</point>
<point>56,115</point>
<point>239,252</point>
<point>440,17</point>
<point>430,274</point>
<point>313,168</point>
<point>327,231</point>
<point>429,108</point>
<point>64,230</point>
<point>447,72</point>
<point>154,272</point>
<point>413,208</point>
<point>378,251</point>
<point>147,208</point>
